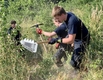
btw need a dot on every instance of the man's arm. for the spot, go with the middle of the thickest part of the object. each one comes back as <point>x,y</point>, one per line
<point>70,39</point>
<point>73,21</point>
<point>49,34</point>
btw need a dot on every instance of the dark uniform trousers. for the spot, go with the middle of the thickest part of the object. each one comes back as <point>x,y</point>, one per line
<point>79,52</point>
<point>61,53</point>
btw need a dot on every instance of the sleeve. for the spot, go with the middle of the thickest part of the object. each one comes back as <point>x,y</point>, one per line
<point>72,25</point>
<point>59,29</point>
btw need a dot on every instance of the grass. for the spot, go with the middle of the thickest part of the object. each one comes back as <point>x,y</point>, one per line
<point>13,66</point>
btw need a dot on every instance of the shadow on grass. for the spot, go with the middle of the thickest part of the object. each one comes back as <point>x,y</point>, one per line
<point>33,58</point>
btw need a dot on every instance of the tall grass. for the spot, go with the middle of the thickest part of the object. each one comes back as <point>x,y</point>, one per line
<point>13,66</point>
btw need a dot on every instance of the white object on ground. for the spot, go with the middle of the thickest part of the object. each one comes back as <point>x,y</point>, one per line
<point>29,45</point>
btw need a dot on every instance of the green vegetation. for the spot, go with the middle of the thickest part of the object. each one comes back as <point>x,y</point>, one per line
<point>15,66</point>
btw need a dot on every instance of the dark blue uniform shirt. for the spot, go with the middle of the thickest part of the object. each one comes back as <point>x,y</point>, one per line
<point>75,26</point>
<point>62,30</point>
<point>18,34</point>
<point>10,29</point>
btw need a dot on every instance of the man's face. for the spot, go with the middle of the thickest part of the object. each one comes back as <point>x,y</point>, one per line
<point>13,25</point>
<point>56,23</point>
<point>59,18</point>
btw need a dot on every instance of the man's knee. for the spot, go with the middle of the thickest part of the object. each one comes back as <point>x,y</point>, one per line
<point>57,58</point>
<point>72,63</point>
<point>57,61</point>
<point>76,58</point>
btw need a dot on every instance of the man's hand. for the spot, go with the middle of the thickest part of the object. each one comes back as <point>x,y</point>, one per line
<point>38,30</point>
<point>54,40</point>
<point>57,45</point>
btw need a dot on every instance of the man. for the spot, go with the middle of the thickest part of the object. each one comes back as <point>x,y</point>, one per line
<point>62,47</point>
<point>77,34</point>
<point>14,32</point>
<point>12,26</point>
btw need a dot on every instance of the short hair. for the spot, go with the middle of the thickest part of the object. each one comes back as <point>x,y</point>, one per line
<point>13,22</point>
<point>58,11</point>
